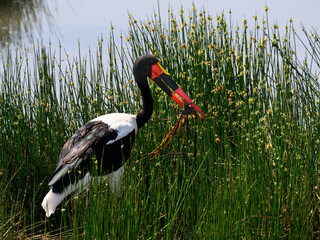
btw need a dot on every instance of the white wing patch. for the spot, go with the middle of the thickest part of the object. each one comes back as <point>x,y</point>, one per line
<point>121,122</point>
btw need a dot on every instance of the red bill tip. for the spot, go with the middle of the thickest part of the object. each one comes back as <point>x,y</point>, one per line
<point>197,109</point>
<point>189,101</point>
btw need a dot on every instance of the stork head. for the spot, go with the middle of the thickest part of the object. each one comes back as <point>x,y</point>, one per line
<point>143,65</point>
<point>149,66</point>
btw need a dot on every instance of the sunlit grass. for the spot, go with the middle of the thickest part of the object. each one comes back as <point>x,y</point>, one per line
<point>250,170</point>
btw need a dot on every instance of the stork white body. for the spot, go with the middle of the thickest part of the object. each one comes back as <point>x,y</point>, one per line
<point>123,125</point>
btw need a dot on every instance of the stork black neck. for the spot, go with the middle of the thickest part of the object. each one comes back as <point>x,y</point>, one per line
<point>147,108</point>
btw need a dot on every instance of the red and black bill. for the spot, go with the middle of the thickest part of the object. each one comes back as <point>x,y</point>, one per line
<point>162,79</point>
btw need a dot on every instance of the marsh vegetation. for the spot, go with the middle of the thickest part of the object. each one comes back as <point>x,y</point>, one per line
<point>250,170</point>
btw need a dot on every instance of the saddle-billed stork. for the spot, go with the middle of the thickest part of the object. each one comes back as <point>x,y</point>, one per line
<point>109,138</point>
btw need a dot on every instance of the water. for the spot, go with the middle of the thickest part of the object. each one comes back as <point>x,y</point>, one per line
<point>67,22</point>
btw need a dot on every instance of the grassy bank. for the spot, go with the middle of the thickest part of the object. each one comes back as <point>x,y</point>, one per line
<point>250,170</point>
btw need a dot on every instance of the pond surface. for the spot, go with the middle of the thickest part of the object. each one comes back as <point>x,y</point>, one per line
<point>28,22</point>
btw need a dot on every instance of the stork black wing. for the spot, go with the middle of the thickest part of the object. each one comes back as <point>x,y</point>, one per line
<point>75,154</point>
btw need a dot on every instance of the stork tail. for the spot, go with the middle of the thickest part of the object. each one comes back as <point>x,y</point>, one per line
<point>51,201</point>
